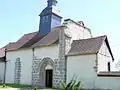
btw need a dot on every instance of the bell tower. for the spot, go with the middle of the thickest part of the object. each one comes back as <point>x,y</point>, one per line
<point>49,18</point>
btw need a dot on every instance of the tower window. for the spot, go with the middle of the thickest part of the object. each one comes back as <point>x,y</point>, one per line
<point>109,66</point>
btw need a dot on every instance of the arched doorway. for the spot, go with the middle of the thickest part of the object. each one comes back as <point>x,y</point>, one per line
<point>46,72</point>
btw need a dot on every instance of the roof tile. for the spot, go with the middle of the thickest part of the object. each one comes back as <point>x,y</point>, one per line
<point>49,39</point>
<point>24,39</point>
<point>86,46</point>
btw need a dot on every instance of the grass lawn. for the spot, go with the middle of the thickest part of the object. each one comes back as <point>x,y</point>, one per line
<point>20,86</point>
<point>14,86</point>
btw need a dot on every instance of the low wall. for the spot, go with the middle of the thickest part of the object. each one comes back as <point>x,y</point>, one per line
<point>107,82</point>
<point>101,82</point>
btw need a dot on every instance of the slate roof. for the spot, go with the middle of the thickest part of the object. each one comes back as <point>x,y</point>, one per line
<point>33,40</point>
<point>49,39</point>
<point>88,46</point>
<point>23,40</point>
<point>44,40</point>
<point>18,44</point>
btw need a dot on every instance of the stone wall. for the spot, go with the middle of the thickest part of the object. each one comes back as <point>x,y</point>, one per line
<point>60,65</point>
<point>35,71</point>
<point>56,74</point>
<point>38,70</point>
<point>17,71</point>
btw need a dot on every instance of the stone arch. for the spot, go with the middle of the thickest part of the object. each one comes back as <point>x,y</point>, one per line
<point>49,67</point>
<point>46,63</point>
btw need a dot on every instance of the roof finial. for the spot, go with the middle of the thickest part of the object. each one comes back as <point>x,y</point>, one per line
<point>52,2</point>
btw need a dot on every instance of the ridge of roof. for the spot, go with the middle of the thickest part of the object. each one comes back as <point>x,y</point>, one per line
<point>30,33</point>
<point>92,38</point>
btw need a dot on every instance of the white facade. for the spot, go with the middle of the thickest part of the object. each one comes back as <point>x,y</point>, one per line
<point>48,51</point>
<point>82,66</point>
<point>2,70</point>
<point>75,31</point>
<point>26,57</point>
<point>112,83</point>
<point>103,58</point>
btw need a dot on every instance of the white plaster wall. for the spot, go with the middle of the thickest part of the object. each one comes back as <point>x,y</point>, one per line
<point>2,68</point>
<point>83,67</point>
<point>76,31</point>
<point>102,63</point>
<point>107,83</point>
<point>49,51</point>
<point>10,65</point>
<point>103,58</point>
<point>86,33</point>
<point>26,57</point>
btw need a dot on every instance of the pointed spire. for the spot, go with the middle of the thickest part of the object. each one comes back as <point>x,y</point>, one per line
<point>52,3</point>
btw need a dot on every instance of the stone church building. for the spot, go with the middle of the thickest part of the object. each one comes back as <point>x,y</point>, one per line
<point>58,51</point>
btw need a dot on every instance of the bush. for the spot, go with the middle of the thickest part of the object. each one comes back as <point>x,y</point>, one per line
<point>72,85</point>
<point>35,88</point>
<point>4,86</point>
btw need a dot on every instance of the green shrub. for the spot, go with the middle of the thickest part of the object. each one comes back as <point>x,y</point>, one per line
<point>4,85</point>
<point>72,85</point>
<point>35,88</point>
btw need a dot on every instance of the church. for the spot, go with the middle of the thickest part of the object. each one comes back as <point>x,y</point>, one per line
<point>59,51</point>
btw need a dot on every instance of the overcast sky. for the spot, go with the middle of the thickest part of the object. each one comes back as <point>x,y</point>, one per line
<point>18,17</point>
